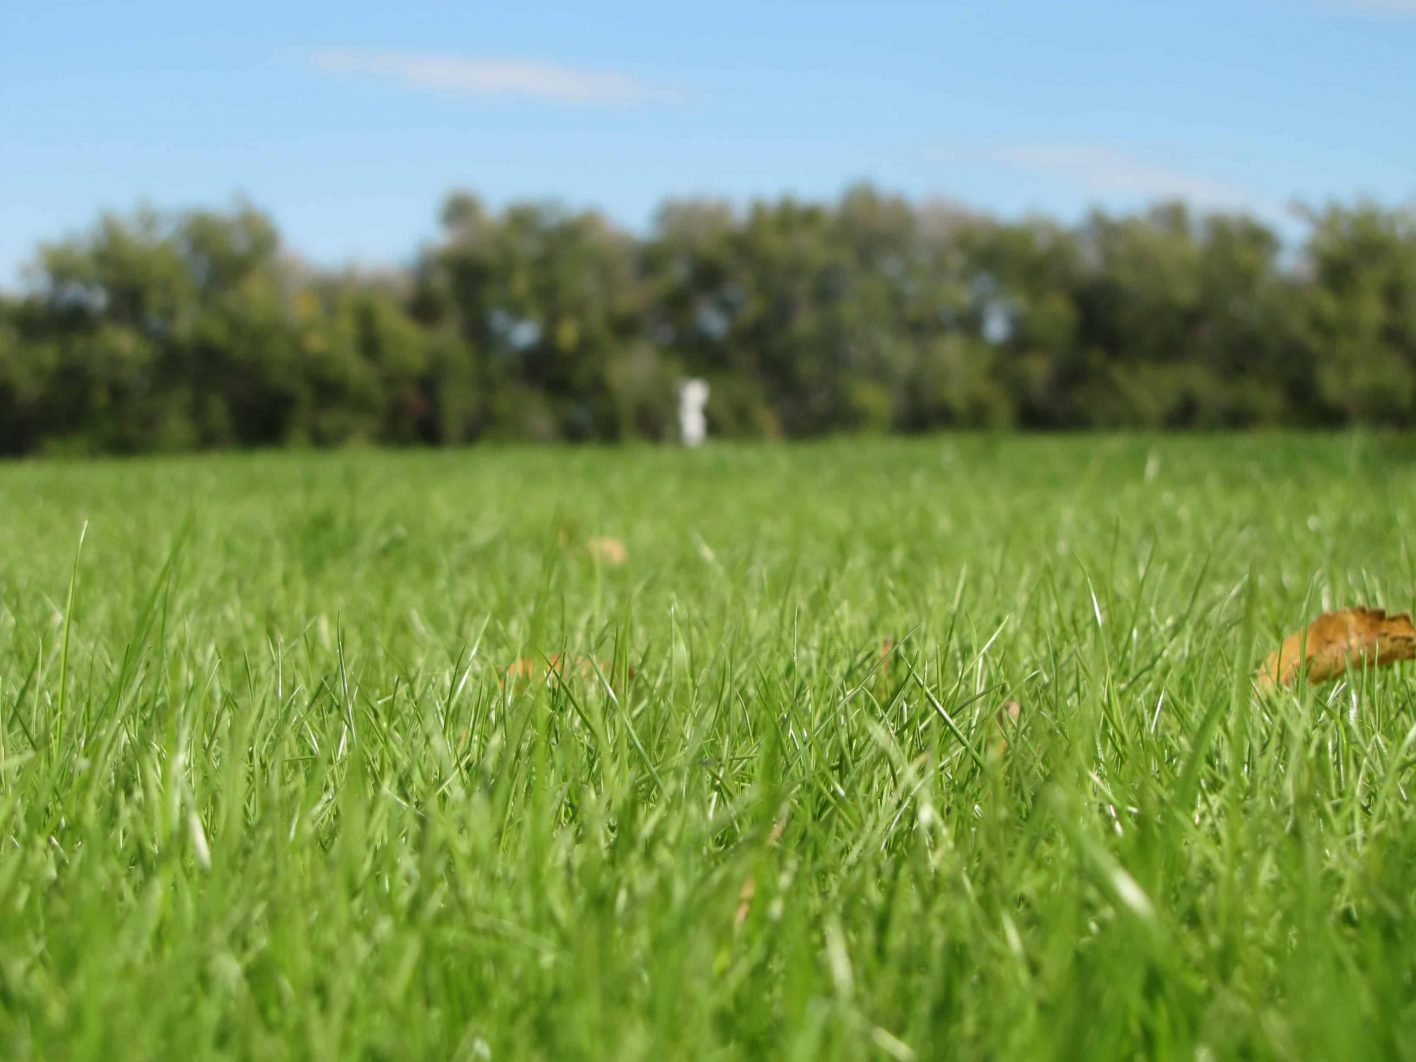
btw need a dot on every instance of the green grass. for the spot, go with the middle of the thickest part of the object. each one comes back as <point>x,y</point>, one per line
<point>264,791</point>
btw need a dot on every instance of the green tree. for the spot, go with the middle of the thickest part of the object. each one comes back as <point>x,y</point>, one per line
<point>1362,312</point>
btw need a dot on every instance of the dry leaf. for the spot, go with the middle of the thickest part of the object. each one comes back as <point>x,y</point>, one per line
<point>778,828</point>
<point>527,667</point>
<point>521,669</point>
<point>745,895</point>
<point>1336,641</point>
<point>607,550</point>
<point>749,884</point>
<point>882,668</point>
<point>1007,719</point>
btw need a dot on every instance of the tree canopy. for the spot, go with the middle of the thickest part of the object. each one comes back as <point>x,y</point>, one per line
<point>198,329</point>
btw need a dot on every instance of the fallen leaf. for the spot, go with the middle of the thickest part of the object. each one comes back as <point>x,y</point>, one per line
<point>528,667</point>
<point>607,550</point>
<point>749,884</point>
<point>1336,641</point>
<point>887,646</point>
<point>519,669</point>
<point>778,828</point>
<point>745,895</point>
<point>1007,719</point>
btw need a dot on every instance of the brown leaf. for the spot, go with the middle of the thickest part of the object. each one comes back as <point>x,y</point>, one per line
<point>1336,641</point>
<point>1007,720</point>
<point>522,669</point>
<point>606,550</point>
<point>887,647</point>
<point>528,667</point>
<point>778,828</point>
<point>745,895</point>
<point>749,884</point>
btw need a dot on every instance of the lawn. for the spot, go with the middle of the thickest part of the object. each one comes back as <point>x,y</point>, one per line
<point>273,782</point>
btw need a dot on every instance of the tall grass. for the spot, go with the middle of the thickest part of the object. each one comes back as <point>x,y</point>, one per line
<point>266,788</point>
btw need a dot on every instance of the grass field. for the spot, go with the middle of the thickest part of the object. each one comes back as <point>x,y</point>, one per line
<point>266,788</point>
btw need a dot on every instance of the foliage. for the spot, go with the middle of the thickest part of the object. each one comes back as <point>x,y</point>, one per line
<point>195,329</point>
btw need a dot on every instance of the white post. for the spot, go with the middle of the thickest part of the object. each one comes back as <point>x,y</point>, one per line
<point>693,425</point>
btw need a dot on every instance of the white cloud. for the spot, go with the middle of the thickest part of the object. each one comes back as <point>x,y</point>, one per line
<point>1103,171</point>
<point>494,78</point>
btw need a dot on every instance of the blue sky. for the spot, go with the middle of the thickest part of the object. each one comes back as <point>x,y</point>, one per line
<point>349,122</point>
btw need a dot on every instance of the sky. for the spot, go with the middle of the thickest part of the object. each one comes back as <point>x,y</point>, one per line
<point>349,122</point>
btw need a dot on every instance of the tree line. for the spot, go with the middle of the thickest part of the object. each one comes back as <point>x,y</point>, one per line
<point>197,329</point>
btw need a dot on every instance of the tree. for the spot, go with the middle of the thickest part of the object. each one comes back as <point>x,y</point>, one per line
<point>157,330</point>
<point>1362,312</point>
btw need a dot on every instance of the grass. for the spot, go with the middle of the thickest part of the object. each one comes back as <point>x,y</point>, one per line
<point>265,789</point>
